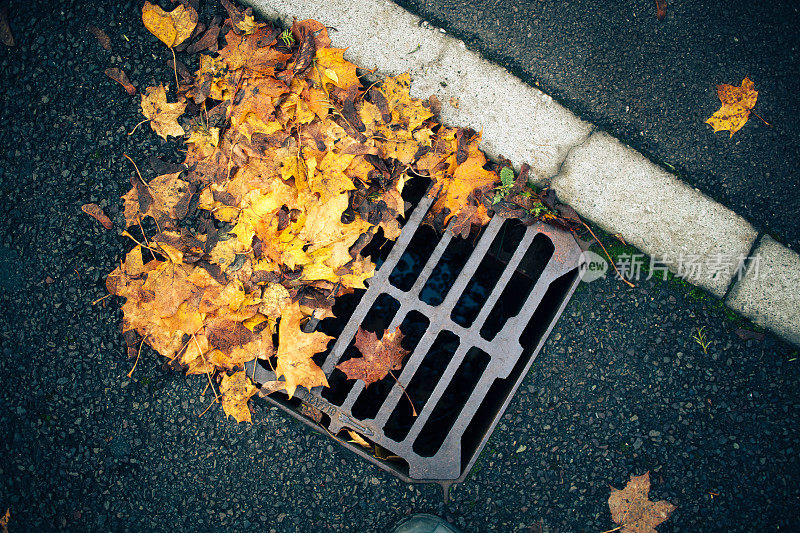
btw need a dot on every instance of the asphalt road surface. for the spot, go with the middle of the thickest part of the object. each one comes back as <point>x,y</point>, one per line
<point>619,389</point>
<point>653,83</point>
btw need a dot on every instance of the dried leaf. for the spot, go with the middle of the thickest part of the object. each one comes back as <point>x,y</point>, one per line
<point>119,76</point>
<point>661,9</point>
<point>5,30</point>
<point>632,509</point>
<point>96,212</point>
<point>5,519</point>
<point>737,103</point>
<point>100,35</point>
<point>163,116</point>
<point>355,438</point>
<point>171,28</point>
<point>236,391</point>
<point>295,349</point>
<point>379,356</point>
<point>271,386</point>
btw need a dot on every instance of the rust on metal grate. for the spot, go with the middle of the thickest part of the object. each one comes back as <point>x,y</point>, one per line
<point>474,314</point>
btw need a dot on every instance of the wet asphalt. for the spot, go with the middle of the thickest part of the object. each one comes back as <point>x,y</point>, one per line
<point>619,389</point>
<point>653,83</point>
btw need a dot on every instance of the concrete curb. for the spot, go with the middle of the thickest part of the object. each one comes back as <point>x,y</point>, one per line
<point>604,180</point>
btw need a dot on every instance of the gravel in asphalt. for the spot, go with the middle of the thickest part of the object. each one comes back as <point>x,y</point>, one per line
<point>620,387</point>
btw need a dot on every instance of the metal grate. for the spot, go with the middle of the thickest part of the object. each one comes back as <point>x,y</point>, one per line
<point>476,318</point>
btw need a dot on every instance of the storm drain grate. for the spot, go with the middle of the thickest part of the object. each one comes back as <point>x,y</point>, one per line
<point>474,314</point>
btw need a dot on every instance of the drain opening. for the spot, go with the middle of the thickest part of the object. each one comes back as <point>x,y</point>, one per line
<point>447,270</point>
<point>371,398</point>
<point>451,403</point>
<point>425,379</point>
<point>519,286</point>
<point>493,403</point>
<point>414,258</point>
<point>486,276</point>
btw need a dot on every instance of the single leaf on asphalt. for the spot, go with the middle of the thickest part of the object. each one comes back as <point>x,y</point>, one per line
<point>379,356</point>
<point>100,35</point>
<point>737,103</point>
<point>5,30</point>
<point>171,28</point>
<point>236,391</point>
<point>661,9</point>
<point>119,76</point>
<point>632,509</point>
<point>163,116</point>
<point>96,212</point>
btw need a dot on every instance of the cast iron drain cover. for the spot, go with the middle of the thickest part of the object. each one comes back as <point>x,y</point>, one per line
<point>474,314</point>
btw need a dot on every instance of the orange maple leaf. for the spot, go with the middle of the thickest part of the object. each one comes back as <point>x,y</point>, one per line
<point>737,104</point>
<point>632,509</point>
<point>469,176</point>
<point>380,356</point>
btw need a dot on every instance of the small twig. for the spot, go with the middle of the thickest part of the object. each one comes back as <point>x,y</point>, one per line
<point>615,529</point>
<point>762,120</point>
<point>138,354</point>
<point>175,68</point>
<point>607,255</point>
<point>101,299</point>
<point>137,126</point>
<point>137,170</point>
<point>207,408</point>
<point>413,409</point>
<point>139,220</point>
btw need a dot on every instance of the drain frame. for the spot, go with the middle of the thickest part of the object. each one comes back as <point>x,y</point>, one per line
<point>447,465</point>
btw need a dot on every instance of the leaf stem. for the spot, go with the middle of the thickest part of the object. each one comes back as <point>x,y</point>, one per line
<point>137,355</point>
<point>609,259</point>
<point>413,409</point>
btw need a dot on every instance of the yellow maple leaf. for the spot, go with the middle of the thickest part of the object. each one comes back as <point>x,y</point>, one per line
<point>236,391</point>
<point>453,193</point>
<point>737,104</point>
<point>163,115</point>
<point>171,28</point>
<point>295,349</point>
<point>334,68</point>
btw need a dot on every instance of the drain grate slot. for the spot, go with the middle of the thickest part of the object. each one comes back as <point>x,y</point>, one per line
<point>474,313</point>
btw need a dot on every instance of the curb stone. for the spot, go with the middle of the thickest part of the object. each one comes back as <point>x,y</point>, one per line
<point>625,193</point>
<point>770,292</point>
<point>603,179</point>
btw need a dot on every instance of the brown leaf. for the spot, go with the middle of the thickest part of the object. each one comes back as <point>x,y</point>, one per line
<point>379,356</point>
<point>119,76</point>
<point>5,519</point>
<point>5,30</point>
<point>746,334</point>
<point>661,9</point>
<point>100,35</point>
<point>209,41</point>
<point>225,335</point>
<point>632,509</point>
<point>96,212</point>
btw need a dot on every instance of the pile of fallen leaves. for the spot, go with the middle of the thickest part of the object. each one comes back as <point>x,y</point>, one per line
<point>292,166</point>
